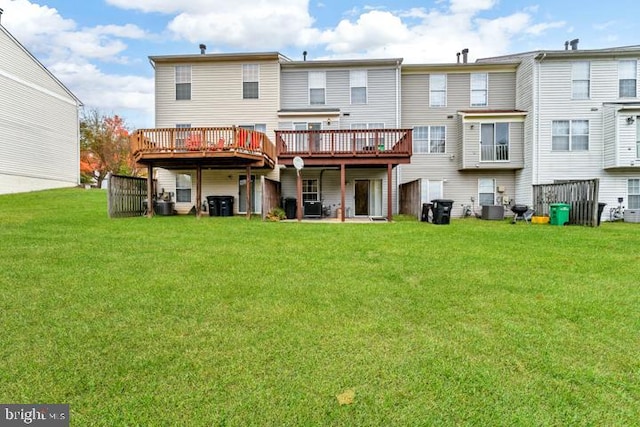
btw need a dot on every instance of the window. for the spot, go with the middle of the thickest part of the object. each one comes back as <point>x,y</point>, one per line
<point>317,87</point>
<point>438,90</point>
<point>250,81</point>
<point>369,140</point>
<point>358,82</point>
<point>310,190</point>
<point>486,191</point>
<point>429,139</point>
<point>183,82</point>
<point>580,76</point>
<point>570,135</point>
<point>627,78</point>
<point>638,137</point>
<point>479,89</point>
<point>183,187</point>
<point>494,142</point>
<point>634,194</point>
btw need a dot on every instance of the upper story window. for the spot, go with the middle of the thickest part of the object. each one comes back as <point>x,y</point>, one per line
<point>317,87</point>
<point>479,89</point>
<point>638,137</point>
<point>580,80</point>
<point>570,135</point>
<point>250,81</point>
<point>183,82</point>
<point>437,90</point>
<point>494,142</point>
<point>358,83</point>
<point>429,139</point>
<point>627,74</point>
<point>634,193</point>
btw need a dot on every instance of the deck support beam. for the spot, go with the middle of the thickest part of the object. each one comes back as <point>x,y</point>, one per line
<point>389,192</point>
<point>150,190</point>
<point>343,189</point>
<point>198,191</point>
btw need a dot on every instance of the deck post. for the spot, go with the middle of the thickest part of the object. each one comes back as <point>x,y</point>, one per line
<point>299,196</point>
<point>150,190</point>
<point>343,187</point>
<point>249,207</point>
<point>389,192</point>
<point>198,191</point>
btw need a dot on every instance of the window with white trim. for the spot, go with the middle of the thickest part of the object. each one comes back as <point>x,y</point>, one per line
<point>369,139</point>
<point>486,191</point>
<point>627,75</point>
<point>437,90</point>
<point>638,137</point>
<point>479,85</point>
<point>317,87</point>
<point>494,142</point>
<point>358,83</point>
<point>429,139</point>
<point>634,193</point>
<point>580,79</point>
<point>182,134</point>
<point>250,81</point>
<point>570,135</point>
<point>183,82</point>
<point>183,187</point>
<point>310,190</point>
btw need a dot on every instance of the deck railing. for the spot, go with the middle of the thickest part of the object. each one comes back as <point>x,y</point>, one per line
<point>494,153</point>
<point>356,143</point>
<point>206,139</point>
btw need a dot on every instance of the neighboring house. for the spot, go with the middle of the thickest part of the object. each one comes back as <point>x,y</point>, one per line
<point>342,118</point>
<point>583,122</point>
<point>226,91</point>
<point>468,137</point>
<point>39,124</point>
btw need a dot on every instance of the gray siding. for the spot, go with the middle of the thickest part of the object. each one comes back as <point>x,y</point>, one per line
<point>381,95</point>
<point>524,98</point>
<point>38,124</point>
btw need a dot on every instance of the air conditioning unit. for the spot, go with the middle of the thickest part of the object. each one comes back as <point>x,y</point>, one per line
<point>631,215</point>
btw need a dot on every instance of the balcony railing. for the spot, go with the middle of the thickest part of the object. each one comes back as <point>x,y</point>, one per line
<point>494,153</point>
<point>209,142</point>
<point>361,143</point>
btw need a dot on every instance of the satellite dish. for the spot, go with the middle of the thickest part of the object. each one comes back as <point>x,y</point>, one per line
<point>298,163</point>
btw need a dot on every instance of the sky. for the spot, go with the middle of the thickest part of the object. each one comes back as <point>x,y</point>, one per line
<point>99,49</point>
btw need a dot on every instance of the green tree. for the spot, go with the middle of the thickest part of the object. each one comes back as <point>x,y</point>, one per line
<point>104,146</point>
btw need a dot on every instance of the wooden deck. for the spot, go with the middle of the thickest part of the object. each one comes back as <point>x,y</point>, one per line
<point>353,147</point>
<point>219,147</point>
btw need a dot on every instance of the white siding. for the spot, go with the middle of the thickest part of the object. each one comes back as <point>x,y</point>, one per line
<point>39,136</point>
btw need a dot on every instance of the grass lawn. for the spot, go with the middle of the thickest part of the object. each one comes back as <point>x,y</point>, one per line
<point>224,321</point>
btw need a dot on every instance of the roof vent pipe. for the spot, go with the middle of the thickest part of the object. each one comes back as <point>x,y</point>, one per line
<point>465,52</point>
<point>304,55</point>
<point>203,48</point>
<point>458,57</point>
<point>574,44</point>
<point>1,15</point>
<point>566,45</point>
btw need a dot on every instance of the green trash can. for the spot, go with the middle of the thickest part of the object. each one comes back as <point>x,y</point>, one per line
<point>559,213</point>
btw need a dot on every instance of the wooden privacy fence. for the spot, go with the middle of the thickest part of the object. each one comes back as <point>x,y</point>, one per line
<point>126,196</point>
<point>581,195</point>
<point>410,198</point>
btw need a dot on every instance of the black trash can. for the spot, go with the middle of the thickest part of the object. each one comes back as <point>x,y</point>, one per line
<point>442,211</point>
<point>214,208</point>
<point>290,207</point>
<point>426,207</point>
<point>600,209</point>
<point>225,204</point>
